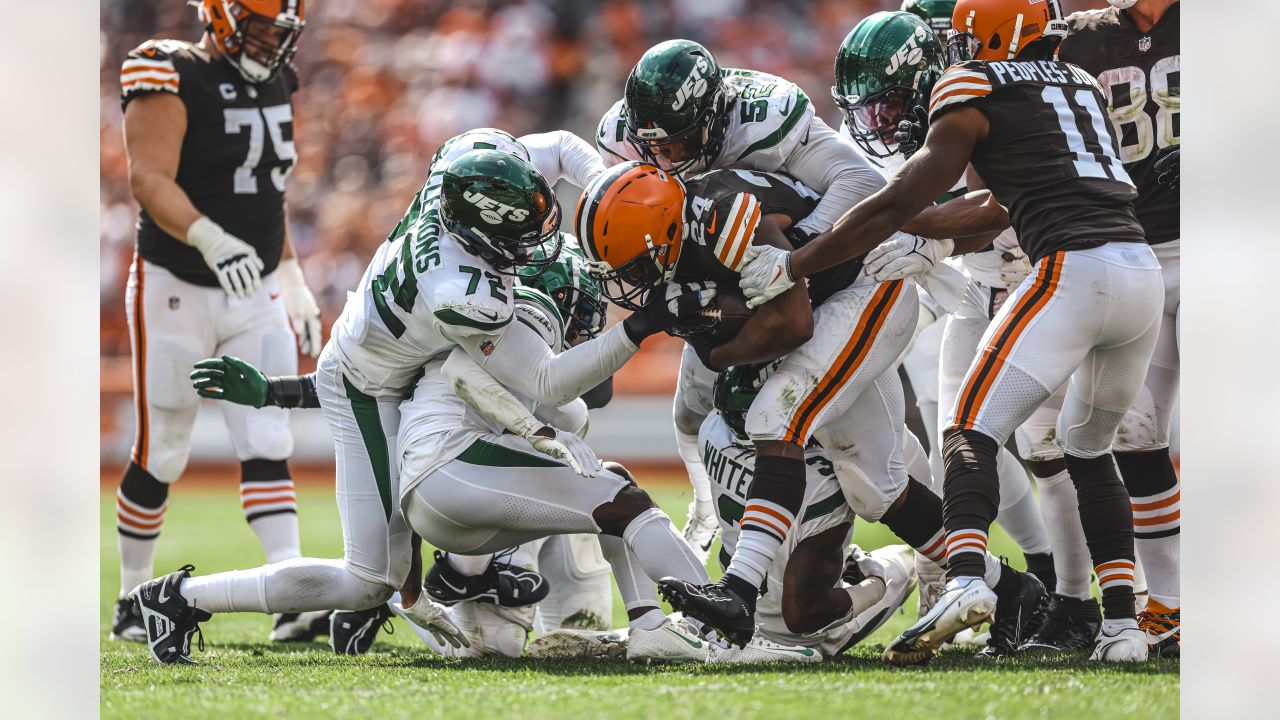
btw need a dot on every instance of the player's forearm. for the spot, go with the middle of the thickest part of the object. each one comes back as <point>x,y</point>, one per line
<point>834,169</point>
<point>974,214</point>
<point>854,234</point>
<point>164,201</point>
<point>571,417</point>
<point>571,157</point>
<point>773,331</point>
<point>523,362</point>
<point>293,392</point>
<point>479,390</point>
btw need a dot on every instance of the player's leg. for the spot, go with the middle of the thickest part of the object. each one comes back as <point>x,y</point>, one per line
<point>691,405</point>
<point>1142,455</point>
<point>257,331</point>
<point>1100,393</point>
<point>170,329</point>
<point>922,363</point>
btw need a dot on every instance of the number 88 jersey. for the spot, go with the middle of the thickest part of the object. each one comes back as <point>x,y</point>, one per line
<point>1050,155</point>
<point>1142,76</point>
<point>236,154</point>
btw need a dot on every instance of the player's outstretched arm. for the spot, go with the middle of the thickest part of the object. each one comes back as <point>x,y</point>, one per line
<point>835,170</point>
<point>975,216</point>
<point>236,381</point>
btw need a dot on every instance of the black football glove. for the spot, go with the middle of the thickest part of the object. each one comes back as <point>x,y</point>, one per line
<point>1168,167</point>
<point>911,130</point>
<point>702,344</point>
<point>677,303</point>
<point>797,237</point>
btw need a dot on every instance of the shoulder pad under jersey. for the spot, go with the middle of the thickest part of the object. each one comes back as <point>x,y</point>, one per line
<point>768,119</point>
<point>725,208</point>
<point>611,136</point>
<point>965,82</point>
<point>150,68</point>
<point>467,298</point>
<point>535,309</point>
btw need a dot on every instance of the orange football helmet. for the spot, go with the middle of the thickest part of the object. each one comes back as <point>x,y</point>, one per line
<point>256,36</point>
<point>630,221</point>
<point>1000,29</point>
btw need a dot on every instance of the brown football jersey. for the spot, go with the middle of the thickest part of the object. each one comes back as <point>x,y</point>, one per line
<point>1050,155</point>
<point>236,153</point>
<point>1141,73</point>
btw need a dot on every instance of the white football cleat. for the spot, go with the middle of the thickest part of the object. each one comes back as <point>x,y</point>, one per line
<point>965,603</point>
<point>669,642</point>
<point>1127,644</point>
<point>568,643</point>
<point>973,637</point>
<point>759,650</point>
<point>700,531</point>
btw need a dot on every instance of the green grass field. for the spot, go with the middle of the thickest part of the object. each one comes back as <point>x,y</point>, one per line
<point>244,676</point>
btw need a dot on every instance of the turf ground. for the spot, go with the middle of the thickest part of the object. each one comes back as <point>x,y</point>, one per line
<point>244,676</point>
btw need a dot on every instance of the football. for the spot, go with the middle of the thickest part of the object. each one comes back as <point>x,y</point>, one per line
<point>730,312</point>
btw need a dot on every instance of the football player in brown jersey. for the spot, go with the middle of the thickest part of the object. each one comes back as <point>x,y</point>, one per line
<point>1035,132</point>
<point>209,136</point>
<point>1133,50</point>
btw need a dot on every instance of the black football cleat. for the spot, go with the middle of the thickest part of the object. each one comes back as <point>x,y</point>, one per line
<point>718,605</point>
<point>502,584</point>
<point>126,622</point>
<point>1018,614</point>
<point>169,619</point>
<point>1070,625</point>
<point>299,627</point>
<point>352,632</point>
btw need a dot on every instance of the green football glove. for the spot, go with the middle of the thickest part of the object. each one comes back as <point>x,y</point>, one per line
<point>231,379</point>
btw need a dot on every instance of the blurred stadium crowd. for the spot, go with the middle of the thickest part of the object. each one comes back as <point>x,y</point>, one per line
<point>385,82</point>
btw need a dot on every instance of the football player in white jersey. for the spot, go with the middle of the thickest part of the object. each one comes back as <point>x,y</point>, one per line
<point>442,281</point>
<point>683,112</point>
<point>885,70</point>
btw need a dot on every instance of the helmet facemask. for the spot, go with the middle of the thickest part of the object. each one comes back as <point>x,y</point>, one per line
<point>686,151</point>
<point>507,254</point>
<point>631,284</point>
<point>873,120</point>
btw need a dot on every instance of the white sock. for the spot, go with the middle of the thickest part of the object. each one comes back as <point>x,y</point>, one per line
<point>635,587</point>
<point>1113,626</point>
<point>1061,512</point>
<point>1157,538</point>
<point>651,620</point>
<point>1019,514</point>
<point>137,562</point>
<point>762,530</point>
<point>661,550</point>
<point>993,570</point>
<point>469,565</point>
<point>278,535</point>
<point>298,585</point>
<point>688,446</point>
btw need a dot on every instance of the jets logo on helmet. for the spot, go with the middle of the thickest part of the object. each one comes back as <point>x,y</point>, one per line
<point>256,36</point>
<point>494,212</point>
<point>676,107</point>
<point>885,71</point>
<point>695,85</point>
<point>500,209</point>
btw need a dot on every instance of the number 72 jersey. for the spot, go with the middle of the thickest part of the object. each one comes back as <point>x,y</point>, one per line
<point>236,154</point>
<point>1050,155</point>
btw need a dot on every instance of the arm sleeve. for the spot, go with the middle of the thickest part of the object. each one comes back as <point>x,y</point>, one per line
<point>570,417</point>
<point>486,396</point>
<point>834,168</point>
<point>561,154</point>
<point>520,359</point>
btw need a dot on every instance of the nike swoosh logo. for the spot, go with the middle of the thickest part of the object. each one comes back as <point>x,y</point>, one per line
<point>275,296</point>
<point>805,141</point>
<point>490,316</point>
<point>1156,639</point>
<point>451,586</point>
<point>786,109</point>
<point>775,277</point>
<point>695,644</point>
<point>161,596</point>
<point>711,226</point>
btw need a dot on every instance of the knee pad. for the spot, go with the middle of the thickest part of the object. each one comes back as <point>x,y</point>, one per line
<point>167,452</point>
<point>868,500</point>
<point>266,436</point>
<point>650,515</point>
<point>687,420</point>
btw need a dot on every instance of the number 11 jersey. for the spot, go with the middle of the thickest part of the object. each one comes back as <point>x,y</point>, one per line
<point>1050,156</point>
<point>236,154</point>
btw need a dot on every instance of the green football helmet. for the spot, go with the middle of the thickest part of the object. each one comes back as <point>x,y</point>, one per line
<point>573,289</point>
<point>935,12</point>
<point>734,391</point>
<point>501,209</point>
<point>677,107</point>
<point>885,72</point>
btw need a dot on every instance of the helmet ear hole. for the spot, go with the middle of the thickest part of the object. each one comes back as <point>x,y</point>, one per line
<point>671,231</point>
<point>995,42</point>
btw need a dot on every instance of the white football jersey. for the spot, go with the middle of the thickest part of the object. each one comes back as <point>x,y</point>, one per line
<point>423,291</point>
<point>436,425</point>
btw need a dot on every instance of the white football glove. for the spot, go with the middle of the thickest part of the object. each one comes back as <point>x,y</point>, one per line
<point>1014,268</point>
<point>904,255</point>
<point>570,448</point>
<point>766,274</point>
<point>431,616</point>
<point>304,313</point>
<point>234,261</point>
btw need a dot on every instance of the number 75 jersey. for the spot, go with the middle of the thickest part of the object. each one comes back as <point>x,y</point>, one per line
<point>236,154</point>
<point>1050,155</point>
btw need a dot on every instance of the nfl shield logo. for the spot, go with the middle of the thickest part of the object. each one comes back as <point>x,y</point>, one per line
<point>486,347</point>
<point>1144,44</point>
<point>174,302</point>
